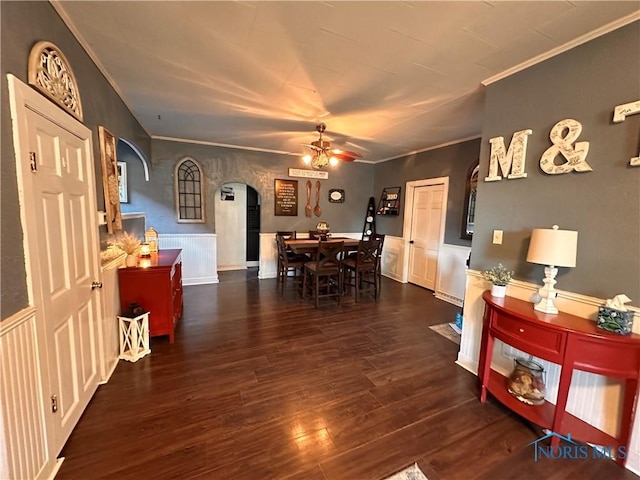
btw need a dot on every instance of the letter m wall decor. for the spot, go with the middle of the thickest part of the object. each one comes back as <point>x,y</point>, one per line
<point>511,161</point>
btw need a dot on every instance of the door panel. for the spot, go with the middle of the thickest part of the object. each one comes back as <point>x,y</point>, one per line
<point>426,230</point>
<point>65,387</point>
<point>67,264</point>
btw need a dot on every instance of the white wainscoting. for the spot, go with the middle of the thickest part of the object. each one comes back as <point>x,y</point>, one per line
<point>392,258</point>
<point>452,273</point>
<point>199,255</point>
<point>593,398</point>
<point>268,256</point>
<point>23,442</point>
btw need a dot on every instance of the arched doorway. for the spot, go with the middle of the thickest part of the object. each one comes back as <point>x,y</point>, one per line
<point>237,220</point>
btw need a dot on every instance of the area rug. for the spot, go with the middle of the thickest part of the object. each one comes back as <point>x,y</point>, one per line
<point>410,473</point>
<point>448,331</point>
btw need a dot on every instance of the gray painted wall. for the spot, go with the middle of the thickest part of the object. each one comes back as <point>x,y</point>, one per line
<point>23,24</point>
<point>257,169</point>
<point>452,161</point>
<point>585,83</point>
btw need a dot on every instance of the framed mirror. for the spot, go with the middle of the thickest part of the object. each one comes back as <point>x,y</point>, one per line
<point>469,211</point>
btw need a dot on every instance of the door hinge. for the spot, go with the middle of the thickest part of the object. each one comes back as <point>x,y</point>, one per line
<point>32,161</point>
<point>54,403</point>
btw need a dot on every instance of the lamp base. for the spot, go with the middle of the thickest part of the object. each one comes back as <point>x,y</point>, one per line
<point>546,305</point>
<point>548,293</point>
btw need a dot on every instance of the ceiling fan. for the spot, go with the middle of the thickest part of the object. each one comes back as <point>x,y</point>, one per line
<point>324,155</point>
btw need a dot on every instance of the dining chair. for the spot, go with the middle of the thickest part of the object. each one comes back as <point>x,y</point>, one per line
<point>325,272</point>
<point>286,234</point>
<point>364,266</point>
<point>288,263</point>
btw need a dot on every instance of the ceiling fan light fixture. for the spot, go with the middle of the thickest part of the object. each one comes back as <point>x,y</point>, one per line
<point>323,155</point>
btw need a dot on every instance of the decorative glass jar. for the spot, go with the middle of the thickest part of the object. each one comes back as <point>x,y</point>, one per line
<point>526,382</point>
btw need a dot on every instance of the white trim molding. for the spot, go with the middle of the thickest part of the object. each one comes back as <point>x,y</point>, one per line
<point>408,213</point>
<point>610,27</point>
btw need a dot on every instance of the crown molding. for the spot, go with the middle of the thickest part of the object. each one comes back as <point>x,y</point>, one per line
<point>434,147</point>
<point>85,45</point>
<point>598,32</point>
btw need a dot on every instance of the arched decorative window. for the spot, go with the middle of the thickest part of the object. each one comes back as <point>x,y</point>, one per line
<point>468,220</point>
<point>189,193</point>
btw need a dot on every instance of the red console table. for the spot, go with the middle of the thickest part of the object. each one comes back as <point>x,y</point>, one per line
<point>573,343</point>
<point>156,285</point>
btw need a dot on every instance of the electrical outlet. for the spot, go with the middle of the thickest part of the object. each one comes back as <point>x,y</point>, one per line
<point>497,237</point>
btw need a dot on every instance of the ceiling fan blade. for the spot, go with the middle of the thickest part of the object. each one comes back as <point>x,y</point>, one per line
<point>343,156</point>
<point>352,154</point>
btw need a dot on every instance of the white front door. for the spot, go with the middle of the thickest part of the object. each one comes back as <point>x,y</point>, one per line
<point>57,200</point>
<point>426,228</point>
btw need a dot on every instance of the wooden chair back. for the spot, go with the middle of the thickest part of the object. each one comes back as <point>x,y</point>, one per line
<point>287,235</point>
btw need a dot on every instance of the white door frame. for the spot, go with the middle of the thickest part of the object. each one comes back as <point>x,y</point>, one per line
<point>408,213</point>
<point>22,97</point>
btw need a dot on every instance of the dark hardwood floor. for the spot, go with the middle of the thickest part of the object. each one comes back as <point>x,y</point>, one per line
<point>258,387</point>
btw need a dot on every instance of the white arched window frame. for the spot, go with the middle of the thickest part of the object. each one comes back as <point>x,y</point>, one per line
<point>189,191</point>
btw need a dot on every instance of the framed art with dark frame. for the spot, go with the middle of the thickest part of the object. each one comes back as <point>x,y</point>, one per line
<point>285,198</point>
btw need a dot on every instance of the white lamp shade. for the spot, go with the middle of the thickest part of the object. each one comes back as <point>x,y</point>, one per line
<point>550,246</point>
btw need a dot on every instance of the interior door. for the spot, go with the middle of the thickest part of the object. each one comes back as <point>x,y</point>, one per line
<point>426,228</point>
<point>59,218</point>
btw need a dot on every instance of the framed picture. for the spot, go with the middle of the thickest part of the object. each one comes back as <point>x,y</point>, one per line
<point>286,198</point>
<point>110,180</point>
<point>122,182</point>
<point>336,195</point>
<point>227,194</point>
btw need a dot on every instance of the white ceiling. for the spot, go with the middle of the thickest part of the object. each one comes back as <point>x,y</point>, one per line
<point>388,78</point>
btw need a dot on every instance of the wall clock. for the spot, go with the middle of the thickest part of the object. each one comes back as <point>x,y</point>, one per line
<point>336,195</point>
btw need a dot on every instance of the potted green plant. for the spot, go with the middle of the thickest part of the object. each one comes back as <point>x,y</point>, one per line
<point>499,277</point>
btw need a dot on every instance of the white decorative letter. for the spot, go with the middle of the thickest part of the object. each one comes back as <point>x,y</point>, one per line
<point>512,160</point>
<point>619,115</point>
<point>563,144</point>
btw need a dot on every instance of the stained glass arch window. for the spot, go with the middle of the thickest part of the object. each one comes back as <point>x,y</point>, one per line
<point>189,191</point>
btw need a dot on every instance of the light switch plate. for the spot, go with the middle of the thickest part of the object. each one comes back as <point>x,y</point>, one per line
<point>497,237</point>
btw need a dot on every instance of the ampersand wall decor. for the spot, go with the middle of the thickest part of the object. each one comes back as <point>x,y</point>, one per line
<point>563,135</point>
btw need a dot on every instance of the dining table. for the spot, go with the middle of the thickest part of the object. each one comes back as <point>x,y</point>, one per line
<point>307,245</point>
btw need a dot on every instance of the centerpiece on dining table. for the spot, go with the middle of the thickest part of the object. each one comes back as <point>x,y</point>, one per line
<point>323,229</point>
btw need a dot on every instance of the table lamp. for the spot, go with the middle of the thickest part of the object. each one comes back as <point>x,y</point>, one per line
<point>552,248</point>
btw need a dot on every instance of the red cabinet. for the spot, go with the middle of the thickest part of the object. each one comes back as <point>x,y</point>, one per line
<point>573,342</point>
<point>156,285</point>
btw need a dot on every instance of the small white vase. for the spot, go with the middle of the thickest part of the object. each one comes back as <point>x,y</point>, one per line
<point>131,261</point>
<point>498,290</point>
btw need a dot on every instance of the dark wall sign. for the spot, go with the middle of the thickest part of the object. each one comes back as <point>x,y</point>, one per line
<point>286,198</point>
